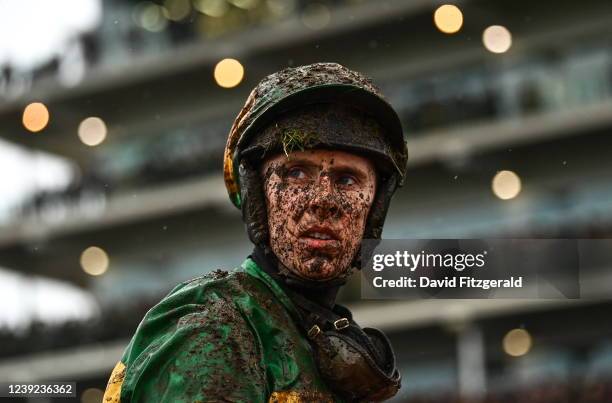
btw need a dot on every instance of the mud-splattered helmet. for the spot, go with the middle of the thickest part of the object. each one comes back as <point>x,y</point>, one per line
<point>330,92</point>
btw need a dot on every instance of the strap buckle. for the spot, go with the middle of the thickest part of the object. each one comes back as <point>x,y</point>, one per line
<point>341,323</point>
<point>314,331</point>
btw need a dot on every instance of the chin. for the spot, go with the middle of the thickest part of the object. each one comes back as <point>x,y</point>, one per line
<point>318,272</point>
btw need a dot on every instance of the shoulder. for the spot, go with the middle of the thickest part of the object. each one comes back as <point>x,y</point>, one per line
<point>193,305</point>
<point>189,339</point>
<point>241,287</point>
<point>213,285</point>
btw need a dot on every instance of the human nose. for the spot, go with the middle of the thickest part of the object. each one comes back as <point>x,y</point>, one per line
<point>323,203</point>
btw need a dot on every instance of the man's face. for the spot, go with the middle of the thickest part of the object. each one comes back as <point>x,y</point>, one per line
<point>317,202</point>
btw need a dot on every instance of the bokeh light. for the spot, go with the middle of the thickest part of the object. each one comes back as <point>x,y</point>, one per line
<point>497,39</point>
<point>92,131</point>
<point>92,395</point>
<point>151,16</point>
<point>228,73</point>
<point>316,16</point>
<point>35,117</point>
<point>448,18</point>
<point>506,185</point>
<point>212,8</point>
<point>517,342</point>
<point>281,8</point>
<point>245,4</point>
<point>177,10</point>
<point>94,261</point>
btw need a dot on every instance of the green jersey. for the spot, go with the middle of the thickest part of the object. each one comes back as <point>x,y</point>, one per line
<point>226,336</point>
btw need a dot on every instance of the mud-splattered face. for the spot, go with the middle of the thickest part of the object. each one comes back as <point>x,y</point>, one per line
<point>317,203</point>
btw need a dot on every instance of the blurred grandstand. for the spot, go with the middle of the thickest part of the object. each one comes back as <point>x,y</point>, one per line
<point>119,196</point>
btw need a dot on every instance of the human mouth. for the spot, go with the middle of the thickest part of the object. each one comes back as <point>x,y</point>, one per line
<point>320,237</point>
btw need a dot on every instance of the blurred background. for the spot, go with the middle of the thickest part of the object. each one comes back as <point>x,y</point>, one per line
<point>113,119</point>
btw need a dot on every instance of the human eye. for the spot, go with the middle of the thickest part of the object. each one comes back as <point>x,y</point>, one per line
<point>296,172</point>
<point>346,180</point>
